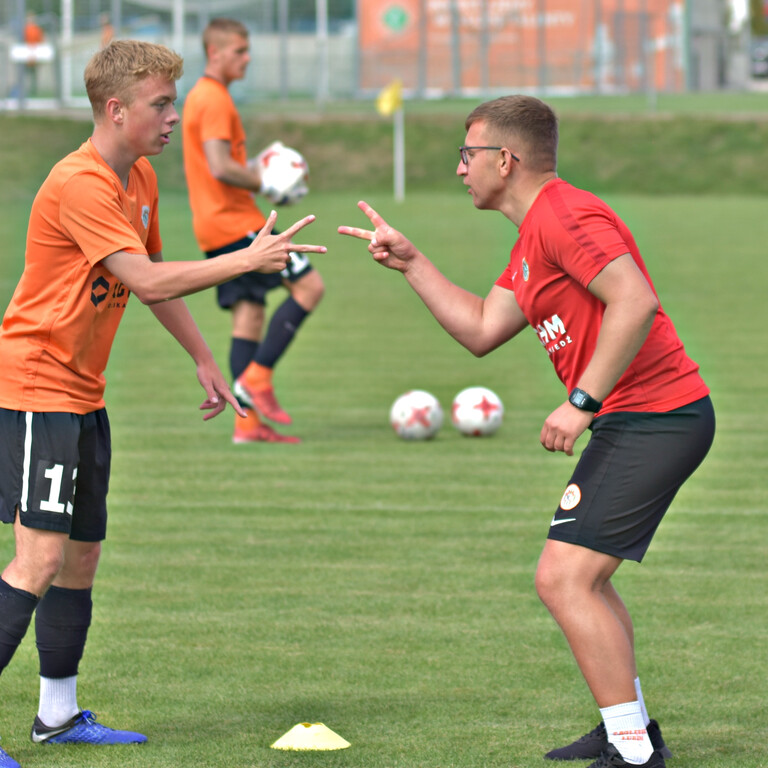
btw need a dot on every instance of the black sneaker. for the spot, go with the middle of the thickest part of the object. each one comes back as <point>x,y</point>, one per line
<point>611,758</point>
<point>590,745</point>
<point>657,742</point>
<point>594,743</point>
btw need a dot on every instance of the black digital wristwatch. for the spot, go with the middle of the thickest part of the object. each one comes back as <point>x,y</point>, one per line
<point>584,401</point>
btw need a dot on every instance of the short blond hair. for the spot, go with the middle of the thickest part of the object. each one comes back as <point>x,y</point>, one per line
<point>219,29</point>
<point>525,119</point>
<point>119,66</point>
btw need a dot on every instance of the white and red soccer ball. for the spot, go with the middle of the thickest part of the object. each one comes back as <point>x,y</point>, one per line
<point>284,173</point>
<point>477,411</point>
<point>416,415</point>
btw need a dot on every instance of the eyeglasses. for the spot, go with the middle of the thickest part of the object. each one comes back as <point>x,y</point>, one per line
<point>464,153</point>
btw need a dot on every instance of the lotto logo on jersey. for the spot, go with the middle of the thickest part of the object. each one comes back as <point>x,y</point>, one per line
<point>101,290</point>
<point>553,335</point>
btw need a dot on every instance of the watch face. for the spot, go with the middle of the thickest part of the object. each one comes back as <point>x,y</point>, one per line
<point>578,399</point>
<point>581,399</point>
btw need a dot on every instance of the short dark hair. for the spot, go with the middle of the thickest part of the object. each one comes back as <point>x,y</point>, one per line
<point>220,27</point>
<point>525,119</point>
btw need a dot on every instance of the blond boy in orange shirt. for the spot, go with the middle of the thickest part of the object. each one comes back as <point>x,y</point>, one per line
<point>93,239</point>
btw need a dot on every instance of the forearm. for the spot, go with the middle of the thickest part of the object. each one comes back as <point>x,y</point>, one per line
<point>226,169</point>
<point>630,309</point>
<point>480,325</point>
<point>177,320</point>
<point>457,310</point>
<point>623,332</point>
<point>237,175</point>
<point>174,279</point>
<point>154,280</point>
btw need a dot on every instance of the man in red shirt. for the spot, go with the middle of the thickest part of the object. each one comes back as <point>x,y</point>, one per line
<point>575,275</point>
<point>93,239</point>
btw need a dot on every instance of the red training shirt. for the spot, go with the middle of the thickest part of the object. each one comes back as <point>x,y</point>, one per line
<point>565,240</point>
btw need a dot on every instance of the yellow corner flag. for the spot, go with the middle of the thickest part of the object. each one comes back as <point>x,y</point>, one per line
<point>390,99</point>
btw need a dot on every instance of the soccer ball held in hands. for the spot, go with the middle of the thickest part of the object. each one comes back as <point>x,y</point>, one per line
<point>284,174</point>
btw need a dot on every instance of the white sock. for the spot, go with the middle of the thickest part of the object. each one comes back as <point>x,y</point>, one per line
<point>639,693</point>
<point>626,731</point>
<point>58,700</point>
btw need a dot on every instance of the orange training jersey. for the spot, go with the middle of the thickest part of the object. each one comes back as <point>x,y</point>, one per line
<point>221,213</point>
<point>33,34</point>
<point>58,329</point>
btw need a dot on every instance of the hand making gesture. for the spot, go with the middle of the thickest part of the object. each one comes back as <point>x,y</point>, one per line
<point>270,252</point>
<point>387,246</point>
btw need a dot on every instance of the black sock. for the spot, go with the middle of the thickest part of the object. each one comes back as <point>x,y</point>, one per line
<point>241,353</point>
<point>61,627</point>
<point>16,609</point>
<point>282,328</point>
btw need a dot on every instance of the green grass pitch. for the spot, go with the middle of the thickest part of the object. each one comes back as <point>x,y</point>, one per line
<point>385,588</point>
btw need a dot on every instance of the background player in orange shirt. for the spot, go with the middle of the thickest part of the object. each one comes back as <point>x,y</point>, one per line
<point>107,30</point>
<point>33,36</point>
<point>93,239</point>
<point>225,217</point>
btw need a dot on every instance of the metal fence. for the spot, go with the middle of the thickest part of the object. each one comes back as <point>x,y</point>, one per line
<point>292,55</point>
<point>435,47</point>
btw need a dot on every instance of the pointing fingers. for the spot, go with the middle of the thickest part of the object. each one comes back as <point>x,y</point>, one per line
<point>362,234</point>
<point>266,230</point>
<point>296,226</point>
<point>374,217</point>
<point>366,234</point>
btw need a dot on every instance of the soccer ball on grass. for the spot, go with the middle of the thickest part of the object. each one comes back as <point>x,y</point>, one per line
<point>416,415</point>
<point>477,411</point>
